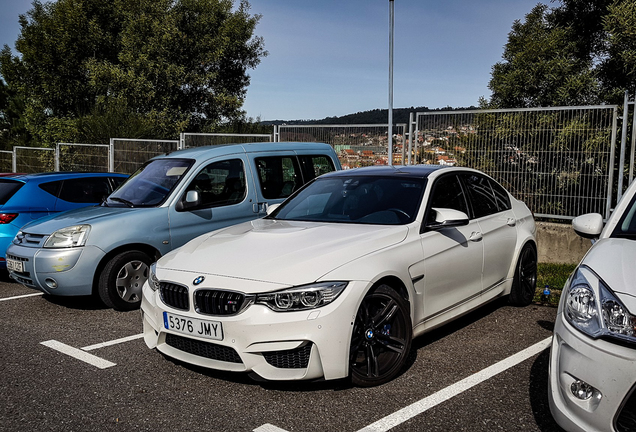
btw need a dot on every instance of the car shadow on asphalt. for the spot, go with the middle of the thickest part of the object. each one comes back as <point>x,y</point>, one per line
<point>538,392</point>
<point>76,302</point>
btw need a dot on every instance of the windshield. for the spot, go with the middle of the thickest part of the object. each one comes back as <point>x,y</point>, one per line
<point>626,227</point>
<point>151,184</point>
<point>355,199</point>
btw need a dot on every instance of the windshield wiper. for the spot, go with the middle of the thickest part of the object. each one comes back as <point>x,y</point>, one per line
<point>121,200</point>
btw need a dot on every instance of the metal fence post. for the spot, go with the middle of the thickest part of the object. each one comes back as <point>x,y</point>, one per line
<point>13,161</point>
<point>621,158</point>
<point>111,156</point>
<point>56,163</point>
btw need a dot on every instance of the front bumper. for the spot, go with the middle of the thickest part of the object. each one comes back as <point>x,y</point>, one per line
<point>63,272</point>
<point>607,367</point>
<point>274,345</point>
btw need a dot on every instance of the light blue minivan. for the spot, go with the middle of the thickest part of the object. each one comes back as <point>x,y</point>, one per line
<point>106,250</point>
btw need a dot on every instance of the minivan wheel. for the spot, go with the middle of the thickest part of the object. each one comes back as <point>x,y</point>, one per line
<point>524,283</point>
<point>381,338</point>
<point>122,278</point>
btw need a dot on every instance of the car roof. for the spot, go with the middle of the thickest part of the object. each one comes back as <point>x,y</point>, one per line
<point>225,149</point>
<point>415,171</point>
<point>56,175</point>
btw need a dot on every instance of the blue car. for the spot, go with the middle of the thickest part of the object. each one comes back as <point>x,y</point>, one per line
<point>26,197</point>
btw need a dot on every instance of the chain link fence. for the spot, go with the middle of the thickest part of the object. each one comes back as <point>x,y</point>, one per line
<point>356,145</point>
<point>82,157</point>
<point>559,161</point>
<point>188,140</point>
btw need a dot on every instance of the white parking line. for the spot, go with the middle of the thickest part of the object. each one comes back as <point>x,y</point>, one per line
<point>21,296</point>
<point>78,354</point>
<point>269,428</point>
<point>113,342</point>
<point>445,394</point>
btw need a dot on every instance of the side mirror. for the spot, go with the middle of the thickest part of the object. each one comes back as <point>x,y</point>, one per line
<point>271,208</point>
<point>446,218</point>
<point>588,225</point>
<point>191,200</point>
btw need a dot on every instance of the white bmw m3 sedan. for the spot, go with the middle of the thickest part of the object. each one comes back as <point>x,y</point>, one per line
<point>337,280</point>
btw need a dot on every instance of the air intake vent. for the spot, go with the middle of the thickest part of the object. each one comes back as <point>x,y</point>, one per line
<point>218,302</point>
<point>174,295</point>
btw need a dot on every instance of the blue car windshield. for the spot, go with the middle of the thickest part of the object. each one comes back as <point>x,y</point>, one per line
<point>355,199</point>
<point>151,184</point>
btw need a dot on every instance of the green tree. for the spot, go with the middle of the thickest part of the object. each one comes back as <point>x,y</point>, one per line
<point>89,70</point>
<point>579,52</point>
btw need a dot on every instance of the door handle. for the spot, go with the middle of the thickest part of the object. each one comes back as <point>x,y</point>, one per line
<point>476,236</point>
<point>511,222</point>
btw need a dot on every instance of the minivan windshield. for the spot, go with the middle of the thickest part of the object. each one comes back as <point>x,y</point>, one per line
<point>355,199</point>
<point>150,185</point>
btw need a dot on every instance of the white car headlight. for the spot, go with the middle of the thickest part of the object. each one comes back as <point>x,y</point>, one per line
<point>591,307</point>
<point>302,298</point>
<point>153,280</point>
<point>68,237</point>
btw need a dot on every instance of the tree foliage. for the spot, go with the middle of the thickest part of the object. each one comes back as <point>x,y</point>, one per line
<point>145,68</point>
<point>579,52</point>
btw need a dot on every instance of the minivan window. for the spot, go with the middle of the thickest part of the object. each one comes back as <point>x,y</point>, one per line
<point>279,176</point>
<point>7,189</point>
<point>220,183</point>
<point>315,165</point>
<point>151,184</point>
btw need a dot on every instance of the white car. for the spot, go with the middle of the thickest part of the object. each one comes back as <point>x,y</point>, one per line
<point>337,280</point>
<point>593,354</point>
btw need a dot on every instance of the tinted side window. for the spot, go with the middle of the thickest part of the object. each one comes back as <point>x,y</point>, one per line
<point>447,193</point>
<point>315,165</point>
<point>52,188</point>
<point>501,196</point>
<point>279,176</point>
<point>85,190</point>
<point>220,184</point>
<point>481,196</point>
<point>7,189</point>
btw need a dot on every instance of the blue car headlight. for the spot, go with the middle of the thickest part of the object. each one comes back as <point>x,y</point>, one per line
<point>303,297</point>
<point>591,307</point>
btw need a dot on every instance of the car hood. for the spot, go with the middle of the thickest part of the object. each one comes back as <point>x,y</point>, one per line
<point>612,259</point>
<point>285,252</point>
<point>83,215</point>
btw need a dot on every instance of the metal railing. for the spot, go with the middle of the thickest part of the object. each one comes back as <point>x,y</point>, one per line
<point>82,157</point>
<point>188,140</point>
<point>559,161</point>
<point>127,155</point>
<point>357,145</point>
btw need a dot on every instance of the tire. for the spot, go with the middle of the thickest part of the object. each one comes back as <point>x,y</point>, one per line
<point>524,284</point>
<point>122,278</point>
<point>381,339</point>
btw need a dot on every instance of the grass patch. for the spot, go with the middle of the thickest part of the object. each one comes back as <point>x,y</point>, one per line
<point>554,276</point>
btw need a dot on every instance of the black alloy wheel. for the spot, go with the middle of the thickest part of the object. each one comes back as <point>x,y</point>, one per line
<point>524,284</point>
<point>381,338</point>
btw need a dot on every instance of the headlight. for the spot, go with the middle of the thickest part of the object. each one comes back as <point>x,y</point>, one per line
<point>590,306</point>
<point>153,281</point>
<point>302,298</point>
<point>68,237</point>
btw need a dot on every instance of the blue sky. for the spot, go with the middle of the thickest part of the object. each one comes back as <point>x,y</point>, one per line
<point>330,57</point>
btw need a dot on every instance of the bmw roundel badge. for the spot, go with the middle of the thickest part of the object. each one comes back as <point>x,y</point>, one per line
<point>198,280</point>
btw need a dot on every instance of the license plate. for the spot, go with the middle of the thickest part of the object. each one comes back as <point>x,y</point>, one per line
<point>14,265</point>
<point>193,327</point>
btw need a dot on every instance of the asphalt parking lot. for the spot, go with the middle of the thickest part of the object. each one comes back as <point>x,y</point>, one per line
<point>72,365</point>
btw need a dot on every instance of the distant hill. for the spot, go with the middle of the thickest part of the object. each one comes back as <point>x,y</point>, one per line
<point>400,115</point>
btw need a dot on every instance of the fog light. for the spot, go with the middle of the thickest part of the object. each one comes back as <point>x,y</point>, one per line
<point>51,283</point>
<point>582,390</point>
